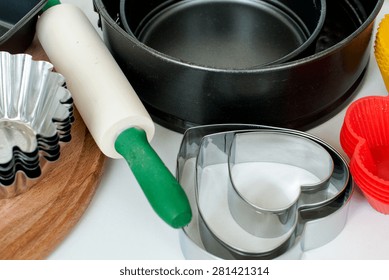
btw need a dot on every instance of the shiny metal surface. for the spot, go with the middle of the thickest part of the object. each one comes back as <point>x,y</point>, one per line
<point>267,209</point>
<point>36,113</point>
<point>200,240</point>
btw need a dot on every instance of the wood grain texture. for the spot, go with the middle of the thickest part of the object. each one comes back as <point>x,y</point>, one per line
<point>35,222</point>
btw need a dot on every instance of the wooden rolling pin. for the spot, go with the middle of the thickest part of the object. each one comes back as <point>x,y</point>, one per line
<point>113,113</point>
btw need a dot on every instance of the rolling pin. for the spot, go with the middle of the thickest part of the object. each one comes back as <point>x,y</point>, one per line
<point>109,106</point>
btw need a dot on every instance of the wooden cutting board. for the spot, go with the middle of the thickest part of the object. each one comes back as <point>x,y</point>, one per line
<point>35,222</point>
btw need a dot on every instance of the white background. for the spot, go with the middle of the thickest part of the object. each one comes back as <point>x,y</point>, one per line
<point>119,223</point>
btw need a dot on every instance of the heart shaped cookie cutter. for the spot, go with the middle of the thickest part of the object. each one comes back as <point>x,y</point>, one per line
<point>313,223</point>
<point>269,209</point>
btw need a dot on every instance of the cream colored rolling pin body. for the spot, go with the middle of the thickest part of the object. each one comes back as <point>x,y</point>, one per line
<point>101,92</point>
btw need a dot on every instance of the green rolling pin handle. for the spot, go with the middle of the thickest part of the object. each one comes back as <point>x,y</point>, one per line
<point>50,3</point>
<point>160,187</point>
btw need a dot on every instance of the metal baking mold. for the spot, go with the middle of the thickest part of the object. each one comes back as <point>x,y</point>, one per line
<point>248,30</point>
<point>198,241</point>
<point>36,114</point>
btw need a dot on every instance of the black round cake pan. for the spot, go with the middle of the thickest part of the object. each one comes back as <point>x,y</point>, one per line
<point>297,94</point>
<point>228,34</point>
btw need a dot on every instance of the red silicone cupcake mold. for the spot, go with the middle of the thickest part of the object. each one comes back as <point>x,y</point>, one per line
<point>365,139</point>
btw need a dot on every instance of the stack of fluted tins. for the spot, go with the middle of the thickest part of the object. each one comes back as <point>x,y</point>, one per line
<point>36,115</point>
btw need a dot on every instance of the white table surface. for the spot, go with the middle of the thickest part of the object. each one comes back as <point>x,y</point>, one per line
<point>120,225</point>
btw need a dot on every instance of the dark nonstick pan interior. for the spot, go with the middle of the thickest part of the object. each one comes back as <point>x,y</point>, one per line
<point>232,34</point>
<point>342,19</point>
<point>17,23</point>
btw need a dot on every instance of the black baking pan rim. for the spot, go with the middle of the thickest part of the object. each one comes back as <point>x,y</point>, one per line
<point>304,123</point>
<point>115,24</point>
